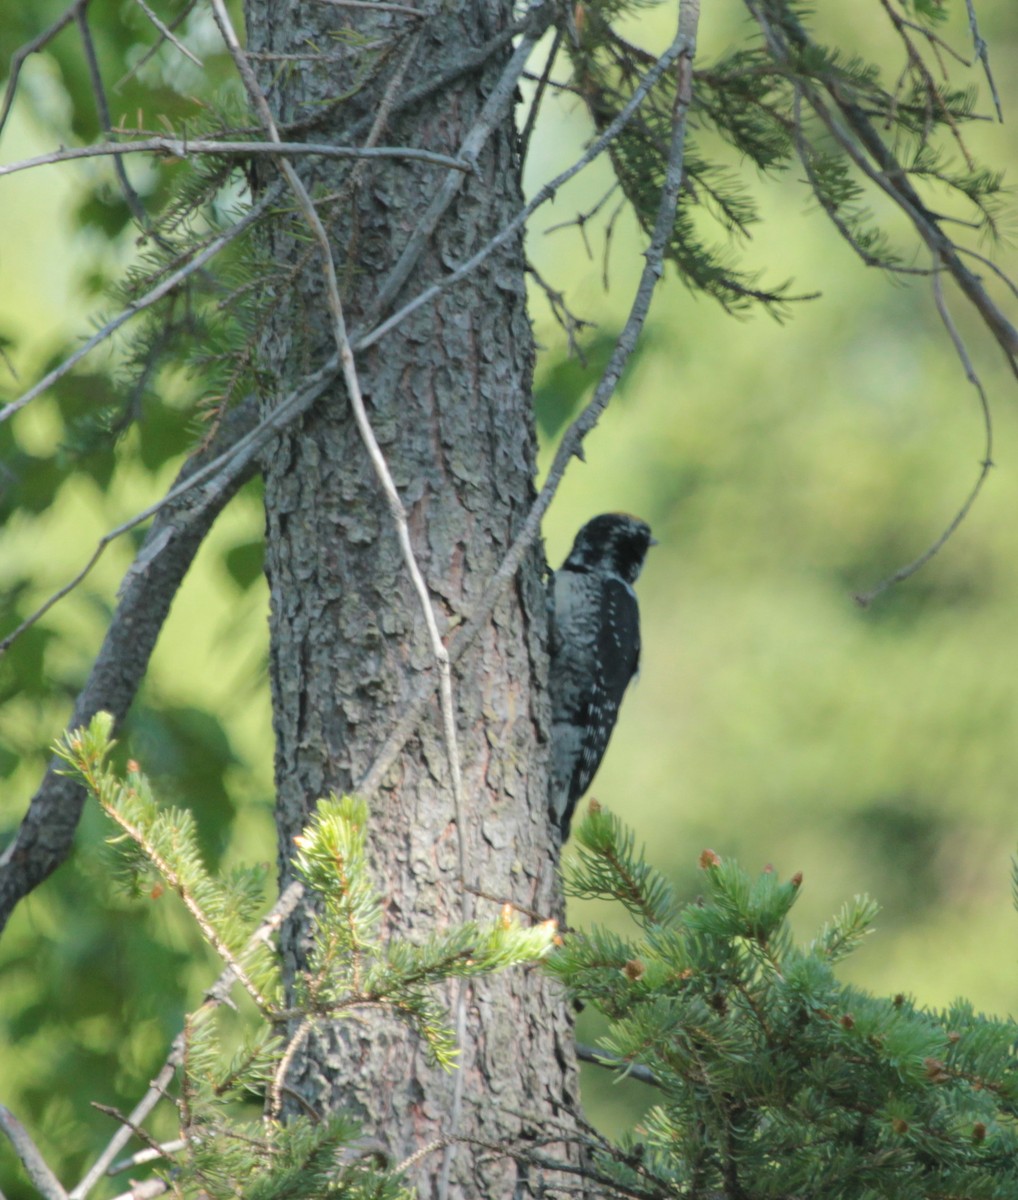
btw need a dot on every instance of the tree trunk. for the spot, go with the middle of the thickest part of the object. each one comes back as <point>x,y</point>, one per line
<point>448,393</point>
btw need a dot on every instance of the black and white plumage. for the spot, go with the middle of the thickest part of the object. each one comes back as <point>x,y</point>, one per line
<point>595,650</point>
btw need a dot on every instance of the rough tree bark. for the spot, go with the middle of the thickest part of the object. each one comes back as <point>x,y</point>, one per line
<point>448,393</point>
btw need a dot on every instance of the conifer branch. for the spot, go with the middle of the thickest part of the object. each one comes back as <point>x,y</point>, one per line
<point>216,995</point>
<point>852,129</point>
<point>123,805</point>
<point>772,1072</point>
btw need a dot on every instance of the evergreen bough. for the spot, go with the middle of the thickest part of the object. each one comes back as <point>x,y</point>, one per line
<point>777,1081</point>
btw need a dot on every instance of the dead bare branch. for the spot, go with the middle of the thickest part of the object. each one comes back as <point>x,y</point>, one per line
<point>168,35</point>
<point>983,54</point>
<point>682,49</point>
<point>184,148</point>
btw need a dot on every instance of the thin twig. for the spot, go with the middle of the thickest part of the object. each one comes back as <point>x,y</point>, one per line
<point>601,1058</point>
<point>141,1134</point>
<point>276,1089</point>
<point>865,599</point>
<point>163,1150</point>
<point>542,86</point>
<point>390,96</point>
<point>183,148</point>
<point>1004,278</point>
<point>131,197</point>
<point>609,231</point>
<point>570,323</point>
<point>152,51</point>
<point>983,54</point>
<point>582,218</point>
<point>168,34</point>
<point>472,60</point>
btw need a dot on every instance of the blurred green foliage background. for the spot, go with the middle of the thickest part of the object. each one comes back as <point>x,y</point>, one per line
<point>783,467</point>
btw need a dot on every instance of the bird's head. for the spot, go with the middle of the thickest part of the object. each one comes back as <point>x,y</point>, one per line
<point>615,542</point>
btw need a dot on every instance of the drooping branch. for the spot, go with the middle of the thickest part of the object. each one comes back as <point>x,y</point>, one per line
<point>860,140</point>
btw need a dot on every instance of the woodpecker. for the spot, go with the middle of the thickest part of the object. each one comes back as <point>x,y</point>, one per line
<point>595,650</point>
